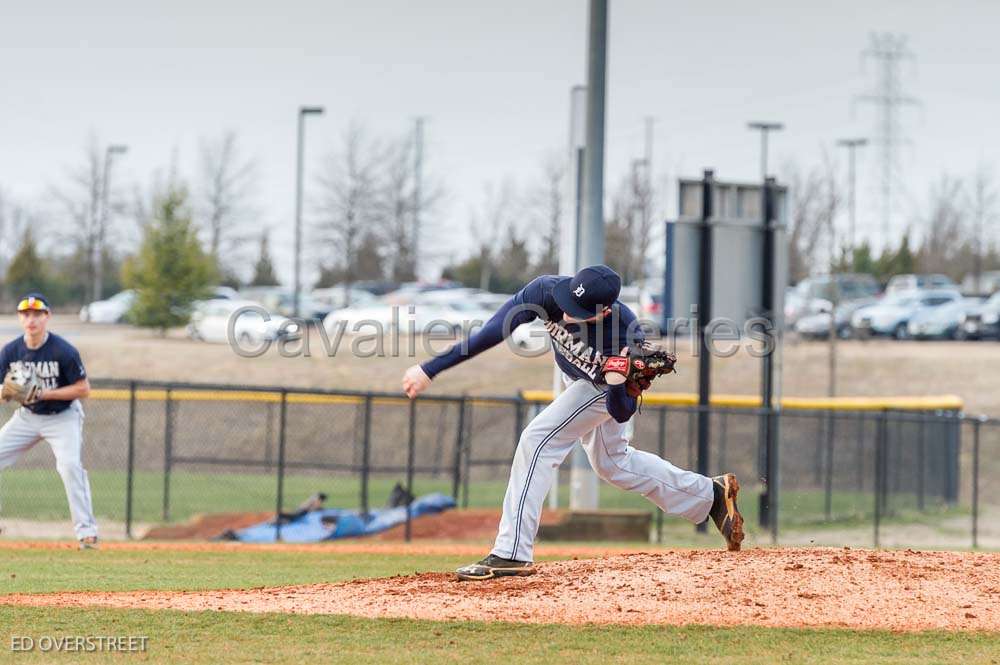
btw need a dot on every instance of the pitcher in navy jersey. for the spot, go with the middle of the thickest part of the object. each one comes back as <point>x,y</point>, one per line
<point>587,323</point>
<point>56,415</point>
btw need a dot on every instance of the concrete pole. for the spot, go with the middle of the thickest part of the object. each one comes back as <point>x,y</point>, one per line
<point>569,235</point>
<point>583,480</point>
<point>299,174</point>
<point>102,228</point>
<point>418,168</point>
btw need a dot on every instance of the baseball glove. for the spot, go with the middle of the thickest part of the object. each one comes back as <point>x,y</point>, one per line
<point>638,369</point>
<point>21,385</point>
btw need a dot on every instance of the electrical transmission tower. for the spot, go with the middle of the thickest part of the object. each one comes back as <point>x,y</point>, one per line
<point>888,51</point>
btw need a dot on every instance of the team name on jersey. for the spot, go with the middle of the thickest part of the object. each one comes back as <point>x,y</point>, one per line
<point>46,370</point>
<point>584,357</point>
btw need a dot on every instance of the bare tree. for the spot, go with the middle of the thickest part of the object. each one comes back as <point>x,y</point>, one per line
<point>14,220</point>
<point>944,226</point>
<point>489,224</point>
<point>815,201</point>
<point>982,208</point>
<point>393,208</point>
<point>226,191</point>
<point>80,199</point>
<point>346,202</point>
<point>546,208</point>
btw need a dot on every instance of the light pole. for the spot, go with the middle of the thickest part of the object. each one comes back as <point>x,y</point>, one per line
<point>303,112</point>
<point>764,128</point>
<point>852,145</point>
<point>102,226</point>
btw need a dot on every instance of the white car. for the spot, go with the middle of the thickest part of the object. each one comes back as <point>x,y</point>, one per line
<point>112,310</point>
<point>892,314</point>
<point>337,297</point>
<point>210,323</point>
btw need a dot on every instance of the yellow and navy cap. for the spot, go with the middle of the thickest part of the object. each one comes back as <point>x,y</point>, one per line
<point>33,301</point>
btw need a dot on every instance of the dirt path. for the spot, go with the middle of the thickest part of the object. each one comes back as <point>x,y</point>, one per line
<point>903,590</point>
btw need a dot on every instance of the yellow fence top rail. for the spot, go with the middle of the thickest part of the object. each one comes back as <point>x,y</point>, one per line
<point>273,397</point>
<point>926,403</point>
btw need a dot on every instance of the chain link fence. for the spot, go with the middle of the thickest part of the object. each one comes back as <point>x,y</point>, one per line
<point>164,452</point>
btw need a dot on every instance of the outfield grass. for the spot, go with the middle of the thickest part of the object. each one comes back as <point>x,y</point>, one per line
<point>38,494</point>
<point>211,637</point>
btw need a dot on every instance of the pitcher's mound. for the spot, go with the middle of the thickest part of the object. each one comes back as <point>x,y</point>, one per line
<point>774,587</point>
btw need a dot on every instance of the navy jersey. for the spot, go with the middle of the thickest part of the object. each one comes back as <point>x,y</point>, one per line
<point>579,348</point>
<point>56,363</point>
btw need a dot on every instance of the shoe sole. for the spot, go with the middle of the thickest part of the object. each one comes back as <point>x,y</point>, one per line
<point>491,573</point>
<point>736,535</point>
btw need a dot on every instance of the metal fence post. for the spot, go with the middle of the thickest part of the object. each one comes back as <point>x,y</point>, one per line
<point>773,469</point>
<point>975,482</point>
<point>723,436</point>
<point>168,452</point>
<point>467,454</point>
<point>921,460</point>
<point>366,441</point>
<point>861,450</point>
<point>410,451</point>
<point>456,478</point>
<point>129,479</point>
<point>282,426</point>
<point>661,448</point>
<point>828,489</point>
<point>880,443</point>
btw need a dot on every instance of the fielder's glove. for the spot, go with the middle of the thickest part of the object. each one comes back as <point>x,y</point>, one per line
<point>21,385</point>
<point>638,369</point>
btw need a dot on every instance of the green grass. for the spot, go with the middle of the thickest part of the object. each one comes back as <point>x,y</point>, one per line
<point>213,637</point>
<point>38,494</point>
<point>45,570</point>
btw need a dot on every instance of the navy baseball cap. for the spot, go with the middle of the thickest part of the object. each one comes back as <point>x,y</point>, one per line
<point>33,301</point>
<point>584,295</point>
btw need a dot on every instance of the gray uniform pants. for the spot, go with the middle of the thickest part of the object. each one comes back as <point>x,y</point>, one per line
<point>579,413</point>
<point>64,432</point>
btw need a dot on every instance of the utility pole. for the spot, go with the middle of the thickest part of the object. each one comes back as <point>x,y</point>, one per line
<point>888,51</point>
<point>569,233</point>
<point>583,480</point>
<point>765,128</point>
<point>852,145</point>
<point>102,228</point>
<point>418,165</point>
<point>299,172</point>
<point>592,228</point>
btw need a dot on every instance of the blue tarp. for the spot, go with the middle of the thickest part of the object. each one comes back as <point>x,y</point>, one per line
<point>310,527</point>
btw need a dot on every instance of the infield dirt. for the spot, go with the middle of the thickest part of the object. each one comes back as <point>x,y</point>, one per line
<point>824,587</point>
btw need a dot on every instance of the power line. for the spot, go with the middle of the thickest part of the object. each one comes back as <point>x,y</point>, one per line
<point>888,51</point>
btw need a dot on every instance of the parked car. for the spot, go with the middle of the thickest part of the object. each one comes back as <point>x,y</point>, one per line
<point>210,323</point>
<point>817,326</point>
<point>224,293</point>
<point>942,321</point>
<point>112,310</point>
<point>813,295</point>
<point>900,283</point>
<point>983,322</point>
<point>281,300</point>
<point>891,315</point>
<point>336,297</point>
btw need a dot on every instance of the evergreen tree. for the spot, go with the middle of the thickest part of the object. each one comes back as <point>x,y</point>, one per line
<point>263,270</point>
<point>26,271</point>
<point>170,271</point>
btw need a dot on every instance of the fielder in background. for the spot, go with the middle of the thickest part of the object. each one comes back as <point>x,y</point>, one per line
<point>44,373</point>
<point>592,335</point>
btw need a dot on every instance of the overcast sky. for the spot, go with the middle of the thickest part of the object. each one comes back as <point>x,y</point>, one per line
<point>493,80</point>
